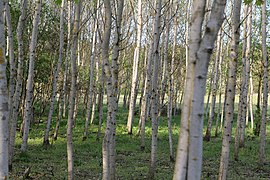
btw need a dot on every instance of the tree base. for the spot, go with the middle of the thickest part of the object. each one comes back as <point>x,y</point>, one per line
<point>172,159</point>
<point>206,138</point>
<point>46,143</point>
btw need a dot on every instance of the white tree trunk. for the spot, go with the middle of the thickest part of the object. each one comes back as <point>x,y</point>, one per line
<point>12,94</point>
<point>91,75</point>
<point>242,107</point>
<point>55,77</point>
<point>265,87</point>
<point>72,95</point>
<point>146,95</point>
<point>105,56</point>
<point>135,69</point>
<point>154,89</point>
<point>230,94</point>
<point>4,117</point>
<point>63,93</point>
<point>246,78</point>
<point>215,87</point>
<point>12,65</point>
<point>189,151</point>
<point>30,80</point>
<point>171,89</point>
<point>251,101</point>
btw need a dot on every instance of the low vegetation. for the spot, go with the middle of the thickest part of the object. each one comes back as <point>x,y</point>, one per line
<point>132,163</point>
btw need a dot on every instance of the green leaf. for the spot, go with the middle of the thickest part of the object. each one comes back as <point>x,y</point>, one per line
<point>247,1</point>
<point>259,2</point>
<point>58,2</point>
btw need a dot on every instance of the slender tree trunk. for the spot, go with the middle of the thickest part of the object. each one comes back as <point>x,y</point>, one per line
<point>72,95</point>
<point>246,78</point>
<point>114,87</point>
<point>154,90</point>
<point>93,107</point>
<point>17,94</point>
<point>30,80</point>
<point>242,110</point>
<point>251,101</point>
<point>171,90</point>
<point>4,117</point>
<point>146,97</point>
<point>91,76</point>
<point>134,83</point>
<point>219,114</point>
<point>11,60</point>
<point>214,90</point>
<point>55,77</point>
<point>107,140</point>
<point>230,97</point>
<point>189,151</point>
<point>63,93</point>
<point>265,87</point>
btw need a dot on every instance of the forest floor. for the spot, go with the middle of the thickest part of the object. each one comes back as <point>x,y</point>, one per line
<point>132,163</point>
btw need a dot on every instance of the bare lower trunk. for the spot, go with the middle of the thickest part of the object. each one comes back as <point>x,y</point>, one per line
<point>230,97</point>
<point>155,91</point>
<point>18,88</point>
<point>55,77</point>
<point>107,140</point>
<point>91,76</point>
<point>4,136</point>
<point>72,95</point>
<point>214,90</point>
<point>135,69</point>
<point>30,80</point>
<point>265,88</point>
<point>189,152</point>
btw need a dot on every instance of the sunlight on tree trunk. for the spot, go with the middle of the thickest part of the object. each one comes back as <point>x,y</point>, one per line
<point>30,80</point>
<point>230,97</point>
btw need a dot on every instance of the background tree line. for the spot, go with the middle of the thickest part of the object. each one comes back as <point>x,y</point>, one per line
<point>64,59</point>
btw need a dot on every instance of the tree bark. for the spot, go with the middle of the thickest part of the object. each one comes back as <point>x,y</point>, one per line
<point>4,110</point>
<point>135,69</point>
<point>229,106</point>
<point>30,80</point>
<point>61,110</point>
<point>15,98</point>
<point>72,95</point>
<point>215,87</point>
<point>154,90</point>
<point>265,87</point>
<point>55,77</point>
<point>91,75</point>
<point>107,140</point>
<point>189,151</point>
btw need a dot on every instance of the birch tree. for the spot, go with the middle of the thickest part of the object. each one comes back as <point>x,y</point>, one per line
<point>189,152</point>
<point>4,118</point>
<point>214,89</point>
<point>154,89</point>
<point>265,86</point>
<point>55,77</point>
<point>91,74</point>
<point>18,87</point>
<point>135,68</point>
<point>14,91</point>
<point>72,95</point>
<point>12,65</point>
<point>30,79</point>
<point>242,108</point>
<point>230,94</point>
<point>63,92</point>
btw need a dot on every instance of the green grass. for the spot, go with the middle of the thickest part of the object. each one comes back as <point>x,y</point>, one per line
<point>132,163</point>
